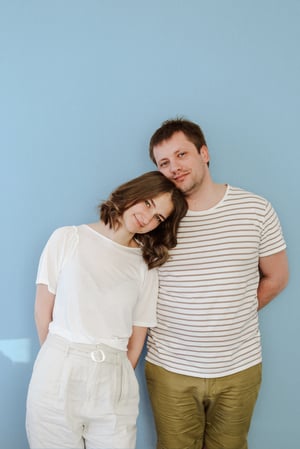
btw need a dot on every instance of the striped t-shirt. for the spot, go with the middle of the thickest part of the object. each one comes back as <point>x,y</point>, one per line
<point>207,306</point>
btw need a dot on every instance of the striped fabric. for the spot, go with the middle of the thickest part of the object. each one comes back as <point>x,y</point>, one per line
<point>207,307</point>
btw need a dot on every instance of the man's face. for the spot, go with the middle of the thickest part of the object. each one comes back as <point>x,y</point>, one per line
<point>179,160</point>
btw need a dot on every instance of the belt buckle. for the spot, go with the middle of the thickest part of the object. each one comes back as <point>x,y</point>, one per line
<point>98,356</point>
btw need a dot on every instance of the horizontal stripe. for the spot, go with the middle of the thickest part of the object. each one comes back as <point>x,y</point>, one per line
<point>207,306</point>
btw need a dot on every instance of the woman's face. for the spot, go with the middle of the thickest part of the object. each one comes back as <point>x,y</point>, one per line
<point>147,215</point>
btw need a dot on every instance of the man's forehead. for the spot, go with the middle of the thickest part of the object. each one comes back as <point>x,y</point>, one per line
<point>173,145</point>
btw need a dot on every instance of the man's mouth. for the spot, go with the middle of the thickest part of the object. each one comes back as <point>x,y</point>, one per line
<point>180,177</point>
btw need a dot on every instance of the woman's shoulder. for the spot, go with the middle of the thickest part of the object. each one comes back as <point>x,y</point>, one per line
<point>64,231</point>
<point>64,235</point>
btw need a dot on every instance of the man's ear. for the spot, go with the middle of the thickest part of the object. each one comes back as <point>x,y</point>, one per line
<point>204,153</point>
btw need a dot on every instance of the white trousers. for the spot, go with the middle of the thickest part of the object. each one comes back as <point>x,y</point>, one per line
<point>81,397</point>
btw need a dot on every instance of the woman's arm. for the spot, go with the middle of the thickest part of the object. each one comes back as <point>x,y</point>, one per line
<point>136,343</point>
<point>44,303</point>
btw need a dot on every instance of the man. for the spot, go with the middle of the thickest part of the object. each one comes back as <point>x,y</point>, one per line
<point>203,365</point>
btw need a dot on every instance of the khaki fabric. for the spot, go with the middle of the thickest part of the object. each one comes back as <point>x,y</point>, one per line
<point>192,412</point>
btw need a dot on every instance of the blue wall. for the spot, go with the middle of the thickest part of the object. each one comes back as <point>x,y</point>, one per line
<point>83,83</point>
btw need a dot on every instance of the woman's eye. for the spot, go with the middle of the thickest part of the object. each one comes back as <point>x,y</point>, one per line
<point>147,203</point>
<point>181,154</point>
<point>159,218</point>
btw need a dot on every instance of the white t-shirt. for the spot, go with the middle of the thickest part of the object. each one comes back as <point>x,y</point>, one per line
<point>207,321</point>
<point>102,288</point>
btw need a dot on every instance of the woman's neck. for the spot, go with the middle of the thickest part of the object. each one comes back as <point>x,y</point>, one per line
<point>119,235</point>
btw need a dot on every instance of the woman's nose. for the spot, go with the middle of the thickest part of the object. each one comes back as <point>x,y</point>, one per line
<point>147,217</point>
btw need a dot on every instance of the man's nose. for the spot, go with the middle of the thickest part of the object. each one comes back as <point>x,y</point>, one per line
<point>174,166</point>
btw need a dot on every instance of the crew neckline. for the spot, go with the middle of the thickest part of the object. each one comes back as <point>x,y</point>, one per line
<point>96,233</point>
<point>211,209</point>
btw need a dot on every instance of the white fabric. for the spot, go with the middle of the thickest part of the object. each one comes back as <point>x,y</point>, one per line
<point>76,402</point>
<point>102,288</point>
<point>207,307</point>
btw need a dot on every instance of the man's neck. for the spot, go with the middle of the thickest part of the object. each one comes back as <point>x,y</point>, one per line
<point>206,197</point>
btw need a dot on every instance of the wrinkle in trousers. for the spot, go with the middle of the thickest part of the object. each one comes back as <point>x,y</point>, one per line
<point>81,397</point>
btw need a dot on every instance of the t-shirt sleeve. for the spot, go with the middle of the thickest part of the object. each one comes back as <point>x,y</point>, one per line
<point>54,256</point>
<point>144,313</point>
<point>272,240</point>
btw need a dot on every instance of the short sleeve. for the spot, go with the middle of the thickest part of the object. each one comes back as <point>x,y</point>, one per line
<point>272,240</point>
<point>144,313</point>
<point>55,253</point>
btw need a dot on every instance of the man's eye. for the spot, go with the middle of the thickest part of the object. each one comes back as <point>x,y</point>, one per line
<point>163,164</point>
<point>181,154</point>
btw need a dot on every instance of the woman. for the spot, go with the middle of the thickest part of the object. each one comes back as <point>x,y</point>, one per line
<point>96,296</point>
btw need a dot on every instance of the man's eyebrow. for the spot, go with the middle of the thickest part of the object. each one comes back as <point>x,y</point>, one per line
<point>176,152</point>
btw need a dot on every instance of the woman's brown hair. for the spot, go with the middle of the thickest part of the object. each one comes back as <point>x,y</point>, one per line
<point>155,244</point>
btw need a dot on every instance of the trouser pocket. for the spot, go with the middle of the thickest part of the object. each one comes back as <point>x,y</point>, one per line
<point>128,387</point>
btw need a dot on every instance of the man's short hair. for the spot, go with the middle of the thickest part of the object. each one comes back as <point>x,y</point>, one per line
<point>191,130</point>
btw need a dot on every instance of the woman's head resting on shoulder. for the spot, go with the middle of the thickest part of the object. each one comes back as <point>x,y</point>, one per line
<point>151,207</point>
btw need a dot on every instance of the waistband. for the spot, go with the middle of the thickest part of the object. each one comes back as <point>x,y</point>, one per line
<point>98,353</point>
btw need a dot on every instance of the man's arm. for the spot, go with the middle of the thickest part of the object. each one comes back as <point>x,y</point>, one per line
<point>274,275</point>
<point>44,303</point>
<point>136,343</point>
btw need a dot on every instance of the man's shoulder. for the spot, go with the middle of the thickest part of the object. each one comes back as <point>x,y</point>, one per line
<point>238,193</point>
